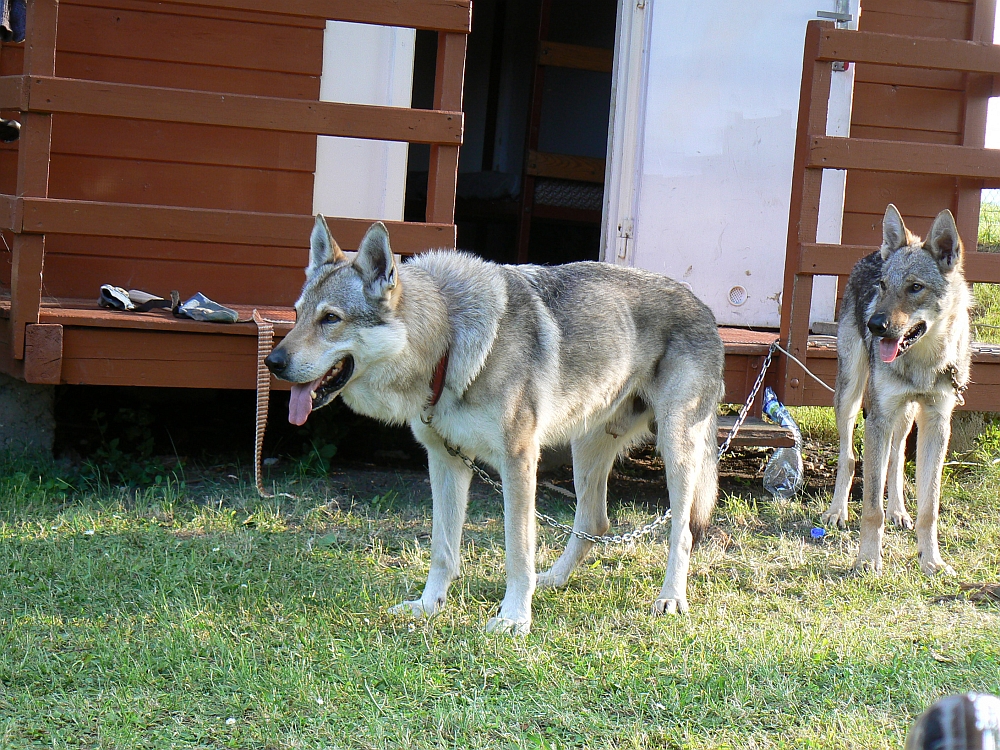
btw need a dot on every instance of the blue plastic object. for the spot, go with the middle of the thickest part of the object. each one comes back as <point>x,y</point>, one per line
<point>817,533</point>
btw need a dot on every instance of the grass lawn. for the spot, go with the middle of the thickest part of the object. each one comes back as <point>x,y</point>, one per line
<point>198,616</point>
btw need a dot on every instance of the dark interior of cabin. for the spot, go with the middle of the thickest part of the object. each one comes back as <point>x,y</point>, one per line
<point>537,102</point>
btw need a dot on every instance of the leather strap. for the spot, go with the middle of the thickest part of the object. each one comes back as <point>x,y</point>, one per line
<point>437,383</point>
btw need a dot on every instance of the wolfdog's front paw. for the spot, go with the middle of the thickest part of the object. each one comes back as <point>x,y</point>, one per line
<point>901,518</point>
<point>550,580</point>
<point>670,606</point>
<point>869,564</point>
<point>835,516</point>
<point>505,626</point>
<point>936,566</point>
<point>415,608</point>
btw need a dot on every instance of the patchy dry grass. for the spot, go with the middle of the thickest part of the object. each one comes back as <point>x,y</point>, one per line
<point>201,617</point>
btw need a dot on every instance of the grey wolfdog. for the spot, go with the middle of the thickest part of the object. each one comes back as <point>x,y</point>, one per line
<point>903,335</point>
<point>501,361</point>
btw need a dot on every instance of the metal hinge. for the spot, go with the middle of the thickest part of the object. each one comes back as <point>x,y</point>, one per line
<point>625,231</point>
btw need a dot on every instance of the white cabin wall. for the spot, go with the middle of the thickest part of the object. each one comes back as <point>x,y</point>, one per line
<point>363,64</point>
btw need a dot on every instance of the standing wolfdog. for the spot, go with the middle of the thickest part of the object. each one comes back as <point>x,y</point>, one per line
<point>903,334</point>
<point>500,361</point>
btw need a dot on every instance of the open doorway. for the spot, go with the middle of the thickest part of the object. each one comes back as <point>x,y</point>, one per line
<point>537,103</point>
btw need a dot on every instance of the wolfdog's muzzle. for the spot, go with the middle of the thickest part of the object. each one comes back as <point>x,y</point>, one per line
<point>312,395</point>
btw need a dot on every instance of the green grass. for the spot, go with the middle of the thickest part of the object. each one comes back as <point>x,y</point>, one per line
<point>202,617</point>
<point>986,315</point>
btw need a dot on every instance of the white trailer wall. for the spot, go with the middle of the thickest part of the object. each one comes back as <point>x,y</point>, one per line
<point>717,90</point>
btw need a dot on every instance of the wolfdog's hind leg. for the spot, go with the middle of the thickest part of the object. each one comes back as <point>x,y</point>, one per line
<point>852,375</point>
<point>450,480</point>
<point>687,441</point>
<point>896,507</point>
<point>593,456</point>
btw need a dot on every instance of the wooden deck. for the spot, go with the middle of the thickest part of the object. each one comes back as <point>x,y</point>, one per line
<point>77,342</point>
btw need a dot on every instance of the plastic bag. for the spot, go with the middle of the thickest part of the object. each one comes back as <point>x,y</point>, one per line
<point>783,473</point>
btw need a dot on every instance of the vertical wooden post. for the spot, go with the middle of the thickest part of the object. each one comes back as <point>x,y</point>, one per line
<point>803,215</point>
<point>33,151</point>
<point>442,177</point>
<point>978,89</point>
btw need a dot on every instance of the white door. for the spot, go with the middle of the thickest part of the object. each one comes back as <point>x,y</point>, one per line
<point>705,198</point>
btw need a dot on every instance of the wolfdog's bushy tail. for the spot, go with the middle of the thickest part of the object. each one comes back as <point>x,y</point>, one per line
<point>706,481</point>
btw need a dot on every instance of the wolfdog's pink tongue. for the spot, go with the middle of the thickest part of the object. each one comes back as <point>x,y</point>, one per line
<point>300,404</point>
<point>888,349</point>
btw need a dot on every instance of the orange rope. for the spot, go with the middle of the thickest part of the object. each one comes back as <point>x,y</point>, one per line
<point>265,340</point>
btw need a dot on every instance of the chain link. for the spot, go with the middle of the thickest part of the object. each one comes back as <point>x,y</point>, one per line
<point>642,531</point>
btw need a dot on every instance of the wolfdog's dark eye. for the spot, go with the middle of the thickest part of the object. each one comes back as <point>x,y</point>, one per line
<point>881,285</point>
<point>331,318</point>
<point>916,288</point>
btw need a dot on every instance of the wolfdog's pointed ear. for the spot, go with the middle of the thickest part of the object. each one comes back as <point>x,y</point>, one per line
<point>323,248</point>
<point>375,262</point>
<point>894,232</point>
<point>943,242</point>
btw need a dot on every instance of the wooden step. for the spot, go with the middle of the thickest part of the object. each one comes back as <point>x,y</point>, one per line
<point>755,432</point>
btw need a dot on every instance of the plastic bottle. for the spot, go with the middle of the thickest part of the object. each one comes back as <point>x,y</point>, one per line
<point>783,473</point>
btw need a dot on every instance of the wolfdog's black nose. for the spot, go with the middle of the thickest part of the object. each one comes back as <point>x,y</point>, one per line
<point>277,361</point>
<point>878,324</point>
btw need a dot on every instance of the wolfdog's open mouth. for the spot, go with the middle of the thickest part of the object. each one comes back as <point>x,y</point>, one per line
<point>889,349</point>
<point>317,394</point>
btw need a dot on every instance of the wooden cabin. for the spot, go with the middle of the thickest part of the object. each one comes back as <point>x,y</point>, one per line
<point>173,145</point>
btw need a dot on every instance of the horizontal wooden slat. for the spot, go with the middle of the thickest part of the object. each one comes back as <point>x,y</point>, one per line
<point>838,260</point>
<point>908,158</point>
<point>163,183</point>
<point>178,75</point>
<point>434,15</point>
<point>914,52</point>
<point>240,110</point>
<point>173,9</point>
<point>895,76</point>
<point>917,196</point>
<point>565,167</point>
<point>77,275</point>
<point>138,35</point>
<point>880,133</point>
<point>896,18</point>
<point>178,143</point>
<point>886,105</point>
<point>576,56</point>
<point>49,215</point>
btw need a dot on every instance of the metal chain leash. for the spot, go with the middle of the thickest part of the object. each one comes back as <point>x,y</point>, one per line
<point>642,531</point>
<point>745,410</point>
